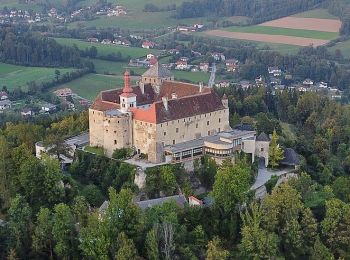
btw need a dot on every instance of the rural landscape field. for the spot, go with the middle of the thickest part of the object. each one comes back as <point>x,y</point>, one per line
<point>315,28</point>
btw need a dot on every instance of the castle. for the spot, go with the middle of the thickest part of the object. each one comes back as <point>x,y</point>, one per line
<point>168,120</point>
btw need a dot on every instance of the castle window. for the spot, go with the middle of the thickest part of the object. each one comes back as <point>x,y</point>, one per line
<point>106,130</point>
<point>161,125</point>
<point>208,132</point>
<point>196,125</point>
<point>118,122</point>
<point>115,141</point>
<point>177,130</point>
<point>115,131</point>
<point>93,112</point>
<point>262,149</point>
<point>109,121</point>
<point>219,130</point>
<point>174,142</point>
<point>184,119</point>
<point>164,133</point>
<point>207,122</point>
<point>219,120</point>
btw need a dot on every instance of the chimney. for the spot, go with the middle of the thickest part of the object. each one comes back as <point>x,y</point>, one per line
<point>142,87</point>
<point>165,103</point>
<point>173,96</point>
<point>200,87</point>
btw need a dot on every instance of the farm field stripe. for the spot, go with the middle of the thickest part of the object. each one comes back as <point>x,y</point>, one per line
<point>299,41</point>
<point>323,25</point>
<point>284,31</point>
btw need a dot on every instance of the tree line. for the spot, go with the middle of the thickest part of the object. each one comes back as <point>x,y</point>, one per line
<point>33,49</point>
<point>258,10</point>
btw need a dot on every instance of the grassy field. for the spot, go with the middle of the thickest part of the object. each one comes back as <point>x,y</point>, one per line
<point>90,85</point>
<point>109,67</point>
<point>194,77</point>
<point>13,76</point>
<point>103,50</point>
<point>344,47</point>
<point>319,13</point>
<point>284,31</point>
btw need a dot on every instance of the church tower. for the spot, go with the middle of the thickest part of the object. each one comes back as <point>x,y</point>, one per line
<point>127,98</point>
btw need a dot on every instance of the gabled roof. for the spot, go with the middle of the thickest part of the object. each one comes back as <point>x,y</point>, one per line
<point>158,71</point>
<point>291,157</point>
<point>263,138</point>
<point>179,199</point>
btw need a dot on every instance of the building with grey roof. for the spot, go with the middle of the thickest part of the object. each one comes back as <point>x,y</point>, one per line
<point>156,75</point>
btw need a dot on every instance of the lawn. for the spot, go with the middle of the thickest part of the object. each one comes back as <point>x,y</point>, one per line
<point>344,47</point>
<point>90,85</point>
<point>282,48</point>
<point>109,67</point>
<point>137,21</point>
<point>103,50</point>
<point>94,150</point>
<point>284,31</point>
<point>319,13</point>
<point>14,76</point>
<point>194,77</point>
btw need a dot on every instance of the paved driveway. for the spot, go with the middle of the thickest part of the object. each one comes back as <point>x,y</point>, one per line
<point>265,174</point>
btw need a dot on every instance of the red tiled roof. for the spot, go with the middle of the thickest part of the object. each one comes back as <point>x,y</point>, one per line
<point>189,102</point>
<point>179,108</point>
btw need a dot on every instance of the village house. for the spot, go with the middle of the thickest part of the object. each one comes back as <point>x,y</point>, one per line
<point>204,66</point>
<point>5,104</point>
<point>63,92</point>
<point>48,107</point>
<point>148,45</point>
<point>150,56</point>
<point>218,56</point>
<point>231,65</point>
<point>3,95</point>
<point>92,40</point>
<point>27,112</point>
<point>308,83</point>
<point>274,71</point>
<point>181,65</point>
<point>106,41</point>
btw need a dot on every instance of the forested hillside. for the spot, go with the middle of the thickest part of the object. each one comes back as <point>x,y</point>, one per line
<point>32,49</point>
<point>258,10</point>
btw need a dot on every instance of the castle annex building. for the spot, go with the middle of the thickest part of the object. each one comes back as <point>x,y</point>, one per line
<point>170,121</point>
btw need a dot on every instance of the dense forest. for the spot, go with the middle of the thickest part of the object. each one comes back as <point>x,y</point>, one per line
<point>258,10</point>
<point>32,49</point>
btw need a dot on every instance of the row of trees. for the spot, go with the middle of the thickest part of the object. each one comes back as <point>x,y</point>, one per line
<point>32,49</point>
<point>258,10</point>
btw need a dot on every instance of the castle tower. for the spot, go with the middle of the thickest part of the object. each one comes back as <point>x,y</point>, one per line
<point>156,75</point>
<point>127,98</point>
<point>225,101</point>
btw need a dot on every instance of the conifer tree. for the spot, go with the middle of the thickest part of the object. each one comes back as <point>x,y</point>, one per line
<point>275,151</point>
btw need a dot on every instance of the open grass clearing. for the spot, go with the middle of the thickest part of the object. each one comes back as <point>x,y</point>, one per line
<point>284,31</point>
<point>319,13</point>
<point>103,50</point>
<point>14,76</point>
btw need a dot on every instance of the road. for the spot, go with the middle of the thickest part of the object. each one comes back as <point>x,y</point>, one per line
<point>212,76</point>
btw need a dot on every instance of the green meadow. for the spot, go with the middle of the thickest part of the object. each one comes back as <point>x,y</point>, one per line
<point>284,31</point>
<point>103,50</point>
<point>14,76</point>
<point>319,13</point>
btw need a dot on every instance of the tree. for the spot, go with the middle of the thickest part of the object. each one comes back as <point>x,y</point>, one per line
<point>257,243</point>
<point>168,179</point>
<point>167,232</point>
<point>80,210</point>
<point>93,195</point>
<point>57,74</point>
<point>57,146</point>
<point>42,237</point>
<point>19,215</point>
<point>94,240</point>
<point>341,188</point>
<point>63,230</point>
<point>152,245</point>
<point>40,181</point>
<point>275,151</point>
<point>231,186</point>
<point>215,251</point>
<point>335,227</point>
<point>126,248</point>
<point>320,251</point>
